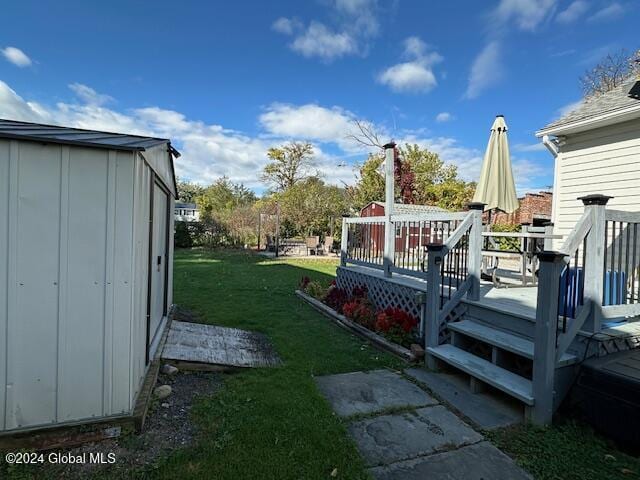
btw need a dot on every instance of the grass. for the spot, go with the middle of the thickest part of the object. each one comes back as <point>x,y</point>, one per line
<point>567,451</point>
<point>274,424</point>
<point>269,423</point>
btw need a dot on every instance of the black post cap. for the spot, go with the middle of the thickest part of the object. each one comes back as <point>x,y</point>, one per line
<point>389,145</point>
<point>551,256</point>
<point>595,199</point>
<point>476,205</point>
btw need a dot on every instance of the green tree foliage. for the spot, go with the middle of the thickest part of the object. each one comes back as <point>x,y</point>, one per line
<point>289,164</point>
<point>188,191</point>
<point>182,237</point>
<point>224,212</point>
<point>432,182</point>
<point>370,184</point>
<point>310,207</point>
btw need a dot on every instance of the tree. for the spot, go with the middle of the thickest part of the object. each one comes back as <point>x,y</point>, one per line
<point>612,71</point>
<point>219,203</point>
<point>289,165</point>
<point>188,191</point>
<point>369,186</point>
<point>421,177</point>
<point>311,206</point>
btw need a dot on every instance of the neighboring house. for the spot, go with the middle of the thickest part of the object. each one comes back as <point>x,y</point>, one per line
<point>86,269</point>
<point>186,212</point>
<point>406,236</point>
<point>535,209</point>
<point>597,150</point>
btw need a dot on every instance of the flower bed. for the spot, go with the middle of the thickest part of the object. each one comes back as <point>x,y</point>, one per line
<point>394,324</point>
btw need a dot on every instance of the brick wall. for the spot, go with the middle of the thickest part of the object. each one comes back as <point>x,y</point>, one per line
<point>531,205</point>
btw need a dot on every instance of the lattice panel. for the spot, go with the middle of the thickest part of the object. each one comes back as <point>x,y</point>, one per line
<point>455,315</point>
<point>382,293</point>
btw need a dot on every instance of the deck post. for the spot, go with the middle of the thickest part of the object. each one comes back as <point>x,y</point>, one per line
<point>432,301</point>
<point>548,231</point>
<point>344,242</point>
<point>475,250</point>
<point>544,352</point>
<point>389,197</point>
<point>594,259</point>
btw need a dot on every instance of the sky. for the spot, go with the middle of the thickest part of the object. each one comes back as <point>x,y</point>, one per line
<point>226,80</point>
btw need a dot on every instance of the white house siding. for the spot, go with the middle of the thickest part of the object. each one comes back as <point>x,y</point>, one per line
<point>73,282</point>
<point>604,160</point>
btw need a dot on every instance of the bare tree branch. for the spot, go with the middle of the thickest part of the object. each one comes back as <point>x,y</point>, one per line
<point>366,134</point>
<point>612,71</point>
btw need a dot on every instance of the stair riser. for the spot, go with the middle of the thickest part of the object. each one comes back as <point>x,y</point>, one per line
<point>501,321</point>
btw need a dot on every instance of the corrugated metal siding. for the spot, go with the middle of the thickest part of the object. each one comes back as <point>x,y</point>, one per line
<point>4,263</point>
<point>73,289</point>
<point>605,161</point>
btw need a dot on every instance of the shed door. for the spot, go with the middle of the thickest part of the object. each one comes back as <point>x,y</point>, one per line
<point>159,257</point>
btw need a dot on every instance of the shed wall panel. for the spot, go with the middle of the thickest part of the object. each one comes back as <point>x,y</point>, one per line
<point>82,379</point>
<point>159,159</point>
<point>33,295</point>
<point>606,161</point>
<point>123,283</point>
<point>4,263</point>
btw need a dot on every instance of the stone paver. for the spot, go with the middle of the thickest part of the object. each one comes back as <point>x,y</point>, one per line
<point>370,392</point>
<point>423,442</point>
<point>483,409</point>
<point>390,438</point>
<point>481,461</point>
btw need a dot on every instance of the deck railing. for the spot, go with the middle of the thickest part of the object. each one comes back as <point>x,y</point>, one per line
<point>442,248</point>
<point>592,278</point>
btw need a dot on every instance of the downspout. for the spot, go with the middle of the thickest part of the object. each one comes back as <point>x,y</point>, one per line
<point>551,145</point>
<point>554,150</point>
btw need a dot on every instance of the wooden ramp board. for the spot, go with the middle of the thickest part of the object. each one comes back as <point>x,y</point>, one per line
<point>211,344</point>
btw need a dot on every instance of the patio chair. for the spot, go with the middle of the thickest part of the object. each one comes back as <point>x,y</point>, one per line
<point>328,245</point>
<point>312,245</point>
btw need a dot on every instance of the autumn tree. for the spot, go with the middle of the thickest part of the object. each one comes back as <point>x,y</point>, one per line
<point>289,164</point>
<point>421,177</point>
<point>188,191</point>
<point>612,71</point>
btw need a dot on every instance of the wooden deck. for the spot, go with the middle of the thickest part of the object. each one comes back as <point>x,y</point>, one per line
<point>517,301</point>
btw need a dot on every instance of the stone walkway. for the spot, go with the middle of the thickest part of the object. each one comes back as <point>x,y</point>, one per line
<point>404,433</point>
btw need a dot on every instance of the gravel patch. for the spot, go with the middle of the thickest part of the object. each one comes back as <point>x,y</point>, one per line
<point>168,427</point>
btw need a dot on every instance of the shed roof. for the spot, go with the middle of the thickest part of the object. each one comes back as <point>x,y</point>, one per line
<point>410,208</point>
<point>77,136</point>
<point>598,110</point>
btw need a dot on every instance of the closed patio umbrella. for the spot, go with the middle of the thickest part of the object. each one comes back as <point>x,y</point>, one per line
<point>496,188</point>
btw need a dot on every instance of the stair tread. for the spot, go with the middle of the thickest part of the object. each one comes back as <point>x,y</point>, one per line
<point>497,377</point>
<point>505,340</point>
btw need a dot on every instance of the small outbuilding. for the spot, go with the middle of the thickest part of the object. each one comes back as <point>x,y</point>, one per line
<point>86,248</point>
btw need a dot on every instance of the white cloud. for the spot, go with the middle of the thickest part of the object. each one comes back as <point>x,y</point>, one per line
<point>286,26</point>
<point>16,56</point>
<point>527,14</point>
<point>89,95</point>
<point>443,117</point>
<point>318,41</point>
<point>529,147</point>
<point>486,70</point>
<point>610,12</point>
<point>573,12</point>
<point>353,24</point>
<point>416,75</point>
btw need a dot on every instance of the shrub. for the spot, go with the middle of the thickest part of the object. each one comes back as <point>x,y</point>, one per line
<point>507,243</point>
<point>182,237</point>
<point>396,325</point>
<point>304,281</point>
<point>316,290</point>
<point>360,291</point>
<point>336,298</point>
<point>361,311</point>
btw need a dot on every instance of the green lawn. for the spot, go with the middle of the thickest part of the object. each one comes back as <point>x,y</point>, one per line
<point>274,424</point>
<point>269,423</point>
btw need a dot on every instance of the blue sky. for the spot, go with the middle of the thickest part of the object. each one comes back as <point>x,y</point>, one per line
<point>227,80</point>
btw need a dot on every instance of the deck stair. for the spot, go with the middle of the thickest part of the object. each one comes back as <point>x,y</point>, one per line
<point>494,348</point>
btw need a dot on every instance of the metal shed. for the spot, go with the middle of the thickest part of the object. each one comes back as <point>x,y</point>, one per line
<point>86,248</point>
